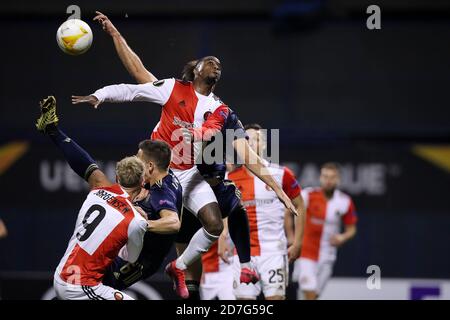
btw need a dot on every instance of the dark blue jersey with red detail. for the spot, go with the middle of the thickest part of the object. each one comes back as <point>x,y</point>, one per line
<point>164,194</point>
<point>232,122</point>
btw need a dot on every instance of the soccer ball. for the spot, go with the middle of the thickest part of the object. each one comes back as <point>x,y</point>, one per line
<point>74,37</point>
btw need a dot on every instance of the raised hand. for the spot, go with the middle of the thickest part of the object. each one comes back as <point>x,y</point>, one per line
<point>106,24</point>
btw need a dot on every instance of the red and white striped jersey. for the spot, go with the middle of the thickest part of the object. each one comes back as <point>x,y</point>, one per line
<point>323,220</point>
<point>183,107</point>
<point>211,261</point>
<point>106,223</point>
<point>265,212</point>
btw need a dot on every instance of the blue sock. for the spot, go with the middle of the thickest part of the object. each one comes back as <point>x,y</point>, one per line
<point>78,159</point>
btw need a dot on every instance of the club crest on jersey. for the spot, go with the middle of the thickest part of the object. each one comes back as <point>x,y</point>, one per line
<point>118,295</point>
<point>207,115</point>
<point>162,202</point>
<point>182,103</point>
<point>158,83</point>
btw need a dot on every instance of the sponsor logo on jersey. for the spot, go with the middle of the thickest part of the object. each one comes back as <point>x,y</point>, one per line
<point>317,221</point>
<point>257,202</point>
<point>178,122</point>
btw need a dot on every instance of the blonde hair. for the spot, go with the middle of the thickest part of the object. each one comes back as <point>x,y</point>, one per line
<point>130,172</point>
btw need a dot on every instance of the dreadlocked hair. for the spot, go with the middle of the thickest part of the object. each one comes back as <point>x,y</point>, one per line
<point>188,70</point>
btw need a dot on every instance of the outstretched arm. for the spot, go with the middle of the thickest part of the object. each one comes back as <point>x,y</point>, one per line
<point>255,164</point>
<point>157,92</point>
<point>129,58</point>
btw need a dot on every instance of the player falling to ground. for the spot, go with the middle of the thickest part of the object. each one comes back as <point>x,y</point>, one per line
<point>185,107</point>
<point>269,248</point>
<point>107,222</point>
<point>161,200</point>
<point>162,203</point>
<point>326,208</point>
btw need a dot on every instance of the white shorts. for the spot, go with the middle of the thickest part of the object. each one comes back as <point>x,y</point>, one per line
<point>196,191</point>
<point>218,284</point>
<point>67,291</point>
<point>273,270</point>
<point>312,275</point>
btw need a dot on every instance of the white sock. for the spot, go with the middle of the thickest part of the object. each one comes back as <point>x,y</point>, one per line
<point>200,243</point>
<point>246,265</point>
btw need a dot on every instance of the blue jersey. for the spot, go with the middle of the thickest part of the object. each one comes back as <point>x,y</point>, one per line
<point>217,170</point>
<point>164,194</point>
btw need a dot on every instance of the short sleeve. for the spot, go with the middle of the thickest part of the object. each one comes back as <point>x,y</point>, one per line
<point>136,232</point>
<point>350,216</point>
<point>290,184</point>
<point>161,200</point>
<point>159,91</point>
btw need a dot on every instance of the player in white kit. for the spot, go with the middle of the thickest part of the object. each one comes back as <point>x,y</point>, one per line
<point>107,222</point>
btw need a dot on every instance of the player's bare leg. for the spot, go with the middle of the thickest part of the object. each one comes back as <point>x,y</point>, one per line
<point>211,219</point>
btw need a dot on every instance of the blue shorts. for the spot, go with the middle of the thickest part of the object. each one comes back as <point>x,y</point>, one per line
<point>228,198</point>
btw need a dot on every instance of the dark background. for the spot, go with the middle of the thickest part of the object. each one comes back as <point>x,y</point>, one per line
<point>336,90</point>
